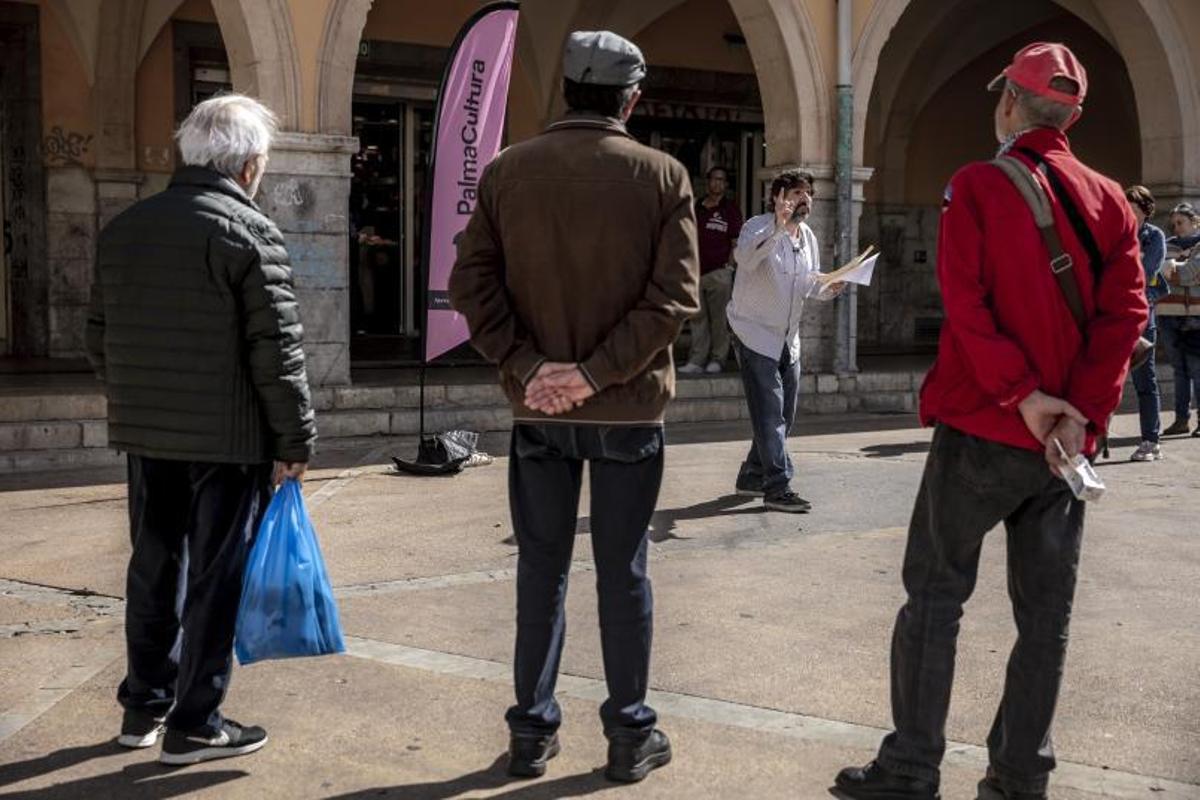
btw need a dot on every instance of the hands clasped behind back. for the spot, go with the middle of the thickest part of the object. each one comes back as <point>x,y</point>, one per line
<point>557,388</point>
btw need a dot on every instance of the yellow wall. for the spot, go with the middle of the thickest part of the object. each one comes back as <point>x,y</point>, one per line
<point>691,35</point>
<point>955,127</point>
<point>196,11</point>
<point>68,121</point>
<point>308,27</point>
<point>823,14</point>
<point>156,105</point>
<point>415,21</point>
<point>862,10</point>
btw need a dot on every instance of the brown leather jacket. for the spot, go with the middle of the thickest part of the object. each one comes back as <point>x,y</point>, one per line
<point>582,248</point>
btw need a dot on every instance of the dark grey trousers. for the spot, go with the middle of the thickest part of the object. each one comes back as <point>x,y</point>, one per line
<point>970,485</point>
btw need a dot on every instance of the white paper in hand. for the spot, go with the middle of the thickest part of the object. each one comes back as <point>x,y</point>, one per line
<point>862,273</point>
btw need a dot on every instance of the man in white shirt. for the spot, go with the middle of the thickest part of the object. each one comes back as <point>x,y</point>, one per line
<point>778,262</point>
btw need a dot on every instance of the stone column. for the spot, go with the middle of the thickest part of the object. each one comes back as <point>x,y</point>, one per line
<point>306,191</point>
<point>116,190</point>
<point>70,253</point>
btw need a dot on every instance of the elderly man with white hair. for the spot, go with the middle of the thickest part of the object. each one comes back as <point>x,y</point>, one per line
<point>195,332</point>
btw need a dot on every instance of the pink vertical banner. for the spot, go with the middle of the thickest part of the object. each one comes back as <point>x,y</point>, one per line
<point>467,131</point>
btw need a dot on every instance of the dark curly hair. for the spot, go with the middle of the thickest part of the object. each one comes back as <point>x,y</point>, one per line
<point>792,179</point>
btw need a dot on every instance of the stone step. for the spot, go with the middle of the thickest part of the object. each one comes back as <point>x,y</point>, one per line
<point>45,460</point>
<point>60,431</point>
<point>54,434</point>
<point>38,406</point>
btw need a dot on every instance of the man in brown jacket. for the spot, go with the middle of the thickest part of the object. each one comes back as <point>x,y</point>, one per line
<point>576,272</point>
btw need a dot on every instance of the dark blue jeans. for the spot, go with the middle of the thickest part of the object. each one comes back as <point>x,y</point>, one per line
<point>1145,381</point>
<point>1186,365</point>
<point>625,465</point>
<point>771,385</point>
<point>970,485</point>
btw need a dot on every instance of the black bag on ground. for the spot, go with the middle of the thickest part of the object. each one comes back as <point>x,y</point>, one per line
<point>444,453</point>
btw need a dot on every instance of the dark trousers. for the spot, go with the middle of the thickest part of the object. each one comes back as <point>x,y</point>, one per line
<point>1145,381</point>
<point>969,486</point>
<point>199,518</point>
<point>771,385</point>
<point>1185,364</point>
<point>625,465</point>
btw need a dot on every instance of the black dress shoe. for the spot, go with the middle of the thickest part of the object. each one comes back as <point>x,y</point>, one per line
<point>873,782</point>
<point>527,755</point>
<point>629,762</point>
<point>990,788</point>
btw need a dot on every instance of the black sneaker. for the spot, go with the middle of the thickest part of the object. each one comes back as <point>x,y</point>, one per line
<point>990,788</point>
<point>748,487</point>
<point>788,501</point>
<point>873,782</point>
<point>630,762</point>
<point>527,755</point>
<point>192,747</point>
<point>1180,427</point>
<point>140,729</point>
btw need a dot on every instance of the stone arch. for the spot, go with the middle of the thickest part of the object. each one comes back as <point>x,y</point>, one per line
<point>786,54</point>
<point>79,21</point>
<point>1149,39</point>
<point>336,62</point>
<point>784,48</point>
<point>117,56</point>
<point>263,59</point>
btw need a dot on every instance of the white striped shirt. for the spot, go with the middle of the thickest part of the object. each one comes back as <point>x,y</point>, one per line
<point>775,275</point>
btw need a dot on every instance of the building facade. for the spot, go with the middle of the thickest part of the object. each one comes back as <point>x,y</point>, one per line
<point>91,91</point>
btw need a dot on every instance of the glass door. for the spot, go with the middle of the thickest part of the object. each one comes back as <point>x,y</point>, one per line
<point>387,205</point>
<point>6,246</point>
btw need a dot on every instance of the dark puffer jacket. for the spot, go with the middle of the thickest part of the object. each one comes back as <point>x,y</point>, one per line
<point>195,331</point>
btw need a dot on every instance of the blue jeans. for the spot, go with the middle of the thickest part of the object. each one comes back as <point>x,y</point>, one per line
<point>1186,365</point>
<point>771,386</point>
<point>625,465</point>
<point>1145,381</point>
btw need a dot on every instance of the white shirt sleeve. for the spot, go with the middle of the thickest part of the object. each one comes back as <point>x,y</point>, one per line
<point>756,242</point>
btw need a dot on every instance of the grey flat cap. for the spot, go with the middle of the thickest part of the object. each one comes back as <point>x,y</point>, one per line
<point>602,58</point>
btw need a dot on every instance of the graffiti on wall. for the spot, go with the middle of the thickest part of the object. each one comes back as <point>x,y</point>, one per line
<point>65,148</point>
<point>288,193</point>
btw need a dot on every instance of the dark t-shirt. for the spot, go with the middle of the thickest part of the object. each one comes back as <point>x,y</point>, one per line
<point>718,229</point>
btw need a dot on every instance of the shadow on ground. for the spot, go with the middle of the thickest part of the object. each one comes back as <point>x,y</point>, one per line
<point>490,778</point>
<point>144,781</point>
<point>666,521</point>
<point>895,450</point>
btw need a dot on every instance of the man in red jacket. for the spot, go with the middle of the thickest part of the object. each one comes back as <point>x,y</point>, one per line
<point>1014,376</point>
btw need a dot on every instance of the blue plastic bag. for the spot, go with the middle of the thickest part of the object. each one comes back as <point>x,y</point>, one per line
<point>287,608</point>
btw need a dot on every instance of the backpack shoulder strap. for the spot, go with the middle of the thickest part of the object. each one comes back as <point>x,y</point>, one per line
<point>1074,216</point>
<point>1061,263</point>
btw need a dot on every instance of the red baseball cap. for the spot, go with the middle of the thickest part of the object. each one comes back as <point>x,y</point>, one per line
<point>1034,66</point>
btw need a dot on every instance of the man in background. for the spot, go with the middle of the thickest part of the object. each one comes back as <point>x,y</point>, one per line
<point>718,223</point>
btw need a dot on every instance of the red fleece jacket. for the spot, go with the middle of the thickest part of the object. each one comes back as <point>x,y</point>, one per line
<point>1007,329</point>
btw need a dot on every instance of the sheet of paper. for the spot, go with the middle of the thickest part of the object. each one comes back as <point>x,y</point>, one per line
<point>860,274</point>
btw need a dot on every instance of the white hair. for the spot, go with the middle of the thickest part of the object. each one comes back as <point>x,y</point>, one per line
<point>1041,112</point>
<point>226,131</point>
